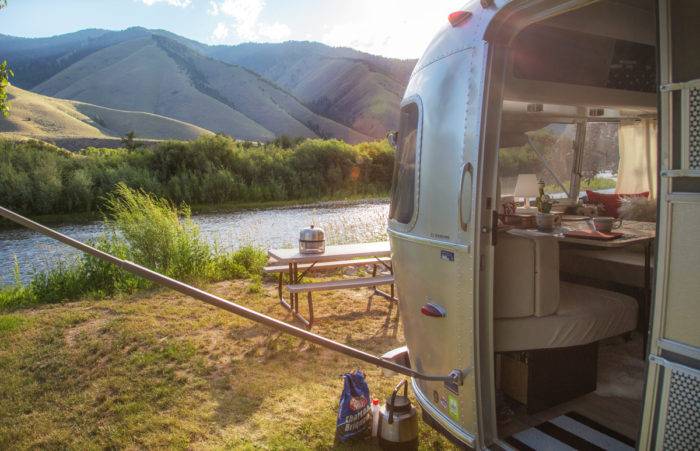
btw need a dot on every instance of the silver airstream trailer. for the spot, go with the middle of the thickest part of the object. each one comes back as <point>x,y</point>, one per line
<point>544,339</point>
<point>553,335</point>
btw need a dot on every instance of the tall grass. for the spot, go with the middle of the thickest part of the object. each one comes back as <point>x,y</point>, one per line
<point>344,230</point>
<point>38,178</point>
<point>145,229</point>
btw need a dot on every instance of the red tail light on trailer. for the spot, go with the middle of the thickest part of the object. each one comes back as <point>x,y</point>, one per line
<point>457,18</point>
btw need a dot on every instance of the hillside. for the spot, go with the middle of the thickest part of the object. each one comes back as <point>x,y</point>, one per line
<point>359,90</point>
<point>40,116</point>
<point>159,75</point>
<point>303,88</point>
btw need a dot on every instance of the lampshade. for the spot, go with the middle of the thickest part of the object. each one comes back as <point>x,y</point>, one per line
<point>526,186</point>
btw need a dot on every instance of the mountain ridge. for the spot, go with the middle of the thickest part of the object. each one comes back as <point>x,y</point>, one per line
<point>307,88</point>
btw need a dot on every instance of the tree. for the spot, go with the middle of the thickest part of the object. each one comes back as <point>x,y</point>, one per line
<point>129,142</point>
<point>5,74</point>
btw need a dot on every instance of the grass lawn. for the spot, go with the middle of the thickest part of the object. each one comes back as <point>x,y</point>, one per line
<point>160,370</point>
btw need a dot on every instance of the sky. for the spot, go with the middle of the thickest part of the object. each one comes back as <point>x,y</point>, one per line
<point>394,28</point>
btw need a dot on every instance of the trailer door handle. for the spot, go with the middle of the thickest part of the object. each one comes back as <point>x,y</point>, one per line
<point>465,196</point>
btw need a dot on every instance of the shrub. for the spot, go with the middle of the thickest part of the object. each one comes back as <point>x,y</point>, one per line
<point>147,230</point>
<point>159,235</point>
<point>37,178</point>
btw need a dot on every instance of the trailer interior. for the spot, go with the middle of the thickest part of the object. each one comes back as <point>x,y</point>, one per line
<point>570,322</point>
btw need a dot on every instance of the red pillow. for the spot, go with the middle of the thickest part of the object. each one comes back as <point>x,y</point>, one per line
<point>611,202</point>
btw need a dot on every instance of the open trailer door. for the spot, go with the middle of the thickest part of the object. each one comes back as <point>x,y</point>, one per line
<point>672,396</point>
<point>432,224</point>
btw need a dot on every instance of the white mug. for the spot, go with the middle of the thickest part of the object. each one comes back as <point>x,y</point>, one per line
<point>606,223</point>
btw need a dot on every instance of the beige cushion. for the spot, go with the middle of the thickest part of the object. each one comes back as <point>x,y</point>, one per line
<point>526,279</point>
<point>585,315</point>
<point>623,266</point>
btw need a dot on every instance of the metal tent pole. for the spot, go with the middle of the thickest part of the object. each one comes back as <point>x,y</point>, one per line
<point>455,376</point>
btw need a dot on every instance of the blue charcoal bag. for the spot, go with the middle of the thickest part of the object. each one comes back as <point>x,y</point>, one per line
<point>354,419</point>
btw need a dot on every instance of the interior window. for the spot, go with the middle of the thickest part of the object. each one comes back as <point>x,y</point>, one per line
<point>545,150</point>
<point>404,185</point>
<point>601,157</point>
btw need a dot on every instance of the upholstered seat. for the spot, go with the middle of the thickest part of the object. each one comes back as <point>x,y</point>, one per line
<point>533,310</point>
<point>622,266</point>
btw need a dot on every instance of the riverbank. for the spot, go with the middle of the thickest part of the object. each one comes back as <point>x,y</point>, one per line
<point>222,208</point>
<point>160,370</point>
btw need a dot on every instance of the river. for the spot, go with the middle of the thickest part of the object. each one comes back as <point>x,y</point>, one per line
<point>263,228</point>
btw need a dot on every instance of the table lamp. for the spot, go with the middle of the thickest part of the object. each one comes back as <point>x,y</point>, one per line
<point>527,186</point>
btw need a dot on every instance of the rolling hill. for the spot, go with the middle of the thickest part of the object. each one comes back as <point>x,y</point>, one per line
<point>41,117</point>
<point>250,91</point>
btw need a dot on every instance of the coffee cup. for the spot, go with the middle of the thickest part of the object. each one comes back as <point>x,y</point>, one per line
<point>547,222</point>
<point>606,223</point>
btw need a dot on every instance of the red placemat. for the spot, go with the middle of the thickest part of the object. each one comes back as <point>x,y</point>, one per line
<point>591,235</point>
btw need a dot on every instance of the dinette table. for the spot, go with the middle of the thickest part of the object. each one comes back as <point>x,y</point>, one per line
<point>633,233</point>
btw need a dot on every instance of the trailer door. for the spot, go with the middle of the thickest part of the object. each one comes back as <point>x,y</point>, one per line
<point>432,229</point>
<point>672,398</point>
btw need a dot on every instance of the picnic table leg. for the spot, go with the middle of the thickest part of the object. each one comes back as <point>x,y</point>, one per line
<point>279,285</point>
<point>295,296</point>
<point>391,270</point>
<point>311,310</point>
<point>288,305</point>
<point>385,295</point>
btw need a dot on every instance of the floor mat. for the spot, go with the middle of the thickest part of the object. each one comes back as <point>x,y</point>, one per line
<point>570,431</point>
<point>621,368</point>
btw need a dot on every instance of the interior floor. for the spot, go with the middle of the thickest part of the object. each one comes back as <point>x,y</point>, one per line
<point>616,403</point>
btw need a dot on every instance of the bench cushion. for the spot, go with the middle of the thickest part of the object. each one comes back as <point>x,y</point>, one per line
<point>341,284</point>
<point>585,315</point>
<point>623,266</point>
<point>526,276</point>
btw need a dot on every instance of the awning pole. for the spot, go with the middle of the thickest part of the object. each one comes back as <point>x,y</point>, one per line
<point>455,376</point>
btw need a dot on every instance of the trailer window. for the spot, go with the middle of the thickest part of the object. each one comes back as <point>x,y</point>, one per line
<point>601,157</point>
<point>546,151</point>
<point>404,184</point>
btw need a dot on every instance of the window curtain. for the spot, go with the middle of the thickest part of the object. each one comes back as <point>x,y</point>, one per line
<point>637,171</point>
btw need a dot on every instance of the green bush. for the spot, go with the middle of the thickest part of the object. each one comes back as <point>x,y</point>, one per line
<point>37,178</point>
<point>147,230</point>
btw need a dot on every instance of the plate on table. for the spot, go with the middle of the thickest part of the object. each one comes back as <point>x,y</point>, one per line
<point>593,235</point>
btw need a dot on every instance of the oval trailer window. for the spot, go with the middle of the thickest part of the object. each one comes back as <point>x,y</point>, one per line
<point>404,181</point>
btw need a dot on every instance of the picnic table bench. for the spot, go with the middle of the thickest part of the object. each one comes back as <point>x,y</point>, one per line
<point>291,262</point>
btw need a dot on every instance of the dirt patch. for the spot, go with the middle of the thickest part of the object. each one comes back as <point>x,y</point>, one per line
<point>89,327</point>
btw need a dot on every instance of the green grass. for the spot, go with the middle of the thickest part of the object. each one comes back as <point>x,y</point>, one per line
<point>597,184</point>
<point>8,323</point>
<point>591,184</point>
<point>159,370</point>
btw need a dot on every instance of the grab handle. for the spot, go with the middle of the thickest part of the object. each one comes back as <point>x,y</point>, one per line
<point>465,196</point>
<point>393,398</point>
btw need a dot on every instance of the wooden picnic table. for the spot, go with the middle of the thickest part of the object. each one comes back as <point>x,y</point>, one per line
<point>343,255</point>
<point>336,252</point>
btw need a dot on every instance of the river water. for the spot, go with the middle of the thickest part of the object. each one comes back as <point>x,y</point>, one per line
<point>263,228</point>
